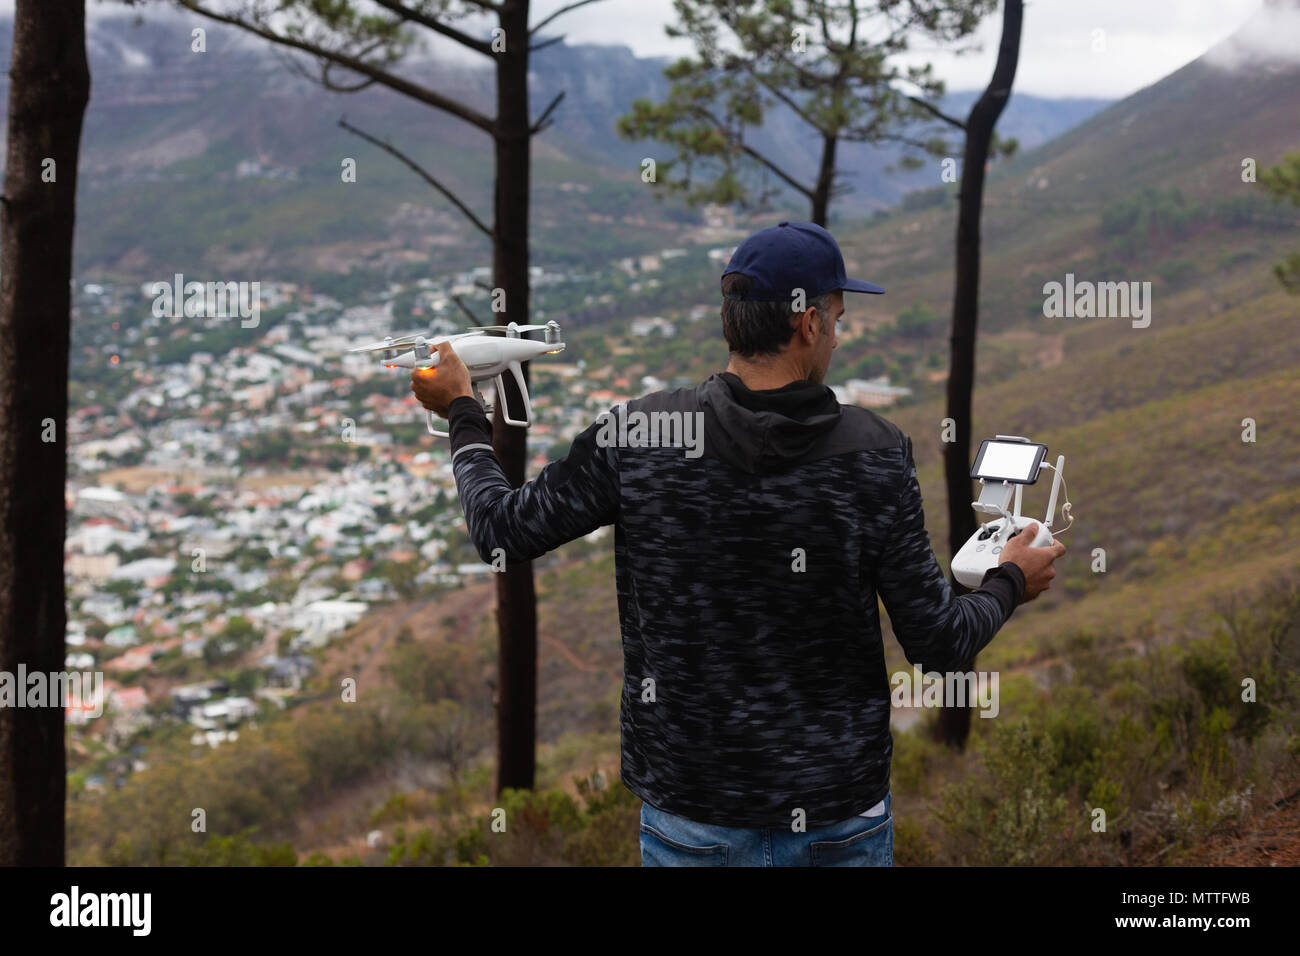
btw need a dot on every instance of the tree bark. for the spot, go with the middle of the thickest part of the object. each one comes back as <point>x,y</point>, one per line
<point>821,199</point>
<point>954,722</point>
<point>516,597</point>
<point>49,88</point>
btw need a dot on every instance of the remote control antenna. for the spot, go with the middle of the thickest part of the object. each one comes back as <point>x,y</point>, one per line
<point>1056,486</point>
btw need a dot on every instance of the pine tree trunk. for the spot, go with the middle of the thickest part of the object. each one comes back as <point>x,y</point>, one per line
<point>954,722</point>
<point>821,199</point>
<point>516,598</point>
<point>49,88</point>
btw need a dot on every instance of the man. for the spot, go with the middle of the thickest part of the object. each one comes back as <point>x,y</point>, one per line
<point>755,706</point>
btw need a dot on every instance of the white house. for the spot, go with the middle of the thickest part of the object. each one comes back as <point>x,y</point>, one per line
<point>103,502</point>
<point>643,327</point>
<point>320,621</point>
<point>225,712</point>
<point>874,392</point>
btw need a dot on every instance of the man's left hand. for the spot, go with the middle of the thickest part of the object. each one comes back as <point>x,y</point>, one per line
<point>436,388</point>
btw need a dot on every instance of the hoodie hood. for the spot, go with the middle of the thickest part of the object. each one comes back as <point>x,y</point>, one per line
<point>768,429</point>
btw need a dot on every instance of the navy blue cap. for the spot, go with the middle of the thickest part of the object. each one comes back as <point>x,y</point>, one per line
<point>790,256</point>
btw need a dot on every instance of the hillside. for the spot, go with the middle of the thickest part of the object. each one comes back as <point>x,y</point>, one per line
<point>1150,419</point>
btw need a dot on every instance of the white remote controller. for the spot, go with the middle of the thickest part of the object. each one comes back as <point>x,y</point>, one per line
<point>981,550</point>
<point>1004,466</point>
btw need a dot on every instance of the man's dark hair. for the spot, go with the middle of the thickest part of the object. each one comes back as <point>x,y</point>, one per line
<point>761,328</point>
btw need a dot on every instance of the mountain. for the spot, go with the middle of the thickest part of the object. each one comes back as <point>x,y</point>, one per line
<point>168,129</point>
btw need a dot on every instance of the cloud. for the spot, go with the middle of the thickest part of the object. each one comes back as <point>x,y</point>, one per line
<point>1271,36</point>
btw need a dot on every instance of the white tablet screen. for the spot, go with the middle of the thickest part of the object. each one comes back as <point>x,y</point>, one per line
<point>1009,461</point>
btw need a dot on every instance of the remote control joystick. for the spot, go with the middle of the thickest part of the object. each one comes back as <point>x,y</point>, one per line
<point>1004,465</point>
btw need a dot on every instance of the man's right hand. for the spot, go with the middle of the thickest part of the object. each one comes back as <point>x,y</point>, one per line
<point>436,388</point>
<point>1034,563</point>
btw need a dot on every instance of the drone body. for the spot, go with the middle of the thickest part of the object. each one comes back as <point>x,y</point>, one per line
<point>486,357</point>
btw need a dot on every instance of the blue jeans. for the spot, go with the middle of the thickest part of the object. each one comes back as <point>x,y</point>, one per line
<point>670,840</point>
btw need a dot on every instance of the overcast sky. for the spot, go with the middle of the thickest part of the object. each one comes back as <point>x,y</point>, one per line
<point>1145,40</point>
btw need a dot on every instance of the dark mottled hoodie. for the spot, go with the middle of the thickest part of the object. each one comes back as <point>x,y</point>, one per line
<point>748,577</point>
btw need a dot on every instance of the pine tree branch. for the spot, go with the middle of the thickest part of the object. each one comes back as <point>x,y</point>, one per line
<point>390,80</point>
<point>437,26</point>
<point>422,173</point>
<point>559,13</point>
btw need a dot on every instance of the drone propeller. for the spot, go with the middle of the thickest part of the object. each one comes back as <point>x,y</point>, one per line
<point>402,342</point>
<point>512,327</point>
<point>391,342</point>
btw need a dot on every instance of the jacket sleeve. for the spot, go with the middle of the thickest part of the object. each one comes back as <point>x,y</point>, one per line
<point>568,499</point>
<point>938,630</point>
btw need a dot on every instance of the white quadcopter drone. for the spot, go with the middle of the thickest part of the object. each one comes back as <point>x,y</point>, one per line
<point>486,356</point>
<point>1004,465</point>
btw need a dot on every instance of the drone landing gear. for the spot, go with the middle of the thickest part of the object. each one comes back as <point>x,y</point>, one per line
<point>517,371</point>
<point>431,417</point>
